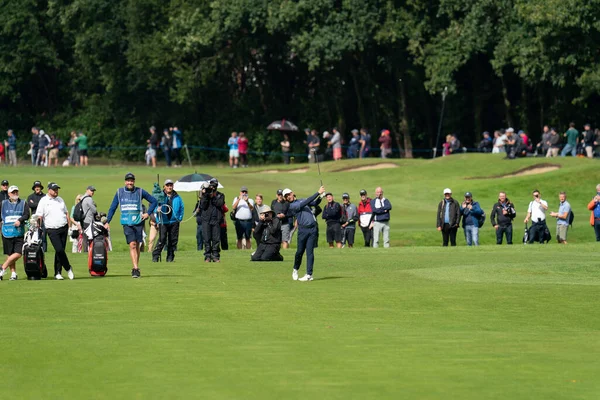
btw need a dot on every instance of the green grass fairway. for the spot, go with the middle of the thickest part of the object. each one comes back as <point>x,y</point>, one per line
<point>415,321</point>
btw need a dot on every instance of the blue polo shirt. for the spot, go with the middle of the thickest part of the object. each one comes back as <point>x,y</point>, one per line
<point>564,207</point>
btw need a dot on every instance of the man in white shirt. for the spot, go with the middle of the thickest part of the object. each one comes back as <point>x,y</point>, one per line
<point>537,214</point>
<point>243,218</point>
<point>53,212</point>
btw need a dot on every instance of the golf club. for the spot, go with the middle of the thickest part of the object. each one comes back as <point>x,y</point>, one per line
<point>318,166</point>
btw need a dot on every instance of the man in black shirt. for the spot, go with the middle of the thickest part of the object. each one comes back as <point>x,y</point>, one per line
<point>268,236</point>
<point>211,204</point>
<point>332,213</point>
<point>4,191</point>
<point>280,207</point>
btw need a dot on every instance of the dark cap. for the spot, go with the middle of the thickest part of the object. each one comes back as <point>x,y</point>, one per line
<point>36,184</point>
<point>243,189</point>
<point>129,176</point>
<point>345,196</point>
<point>4,182</point>
<point>328,194</point>
<point>468,194</point>
<point>53,186</point>
<point>363,192</point>
<point>280,191</point>
<point>93,189</point>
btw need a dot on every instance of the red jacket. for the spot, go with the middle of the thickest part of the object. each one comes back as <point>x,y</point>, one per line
<point>365,208</point>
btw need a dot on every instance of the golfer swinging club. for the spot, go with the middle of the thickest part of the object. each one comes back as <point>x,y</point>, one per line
<point>307,230</point>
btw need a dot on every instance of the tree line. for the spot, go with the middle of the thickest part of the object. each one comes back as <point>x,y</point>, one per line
<point>112,68</point>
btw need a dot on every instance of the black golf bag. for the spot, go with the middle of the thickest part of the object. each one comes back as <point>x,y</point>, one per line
<point>98,249</point>
<point>33,254</point>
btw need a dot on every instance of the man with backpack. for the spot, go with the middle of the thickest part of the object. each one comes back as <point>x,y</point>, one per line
<point>472,214</point>
<point>563,218</point>
<point>85,212</point>
<point>502,217</point>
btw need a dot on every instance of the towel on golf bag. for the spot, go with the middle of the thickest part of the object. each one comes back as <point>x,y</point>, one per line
<point>97,236</point>
<point>33,253</point>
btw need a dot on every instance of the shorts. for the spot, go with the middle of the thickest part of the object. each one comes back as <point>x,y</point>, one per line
<point>561,232</point>
<point>234,154</point>
<point>83,153</point>
<point>53,154</point>
<point>334,232</point>
<point>12,245</point>
<point>243,229</point>
<point>286,232</point>
<point>134,233</point>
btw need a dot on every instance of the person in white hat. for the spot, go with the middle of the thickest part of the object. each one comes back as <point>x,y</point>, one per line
<point>268,236</point>
<point>14,213</point>
<point>448,218</point>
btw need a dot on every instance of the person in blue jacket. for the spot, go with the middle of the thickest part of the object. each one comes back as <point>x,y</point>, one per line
<point>129,200</point>
<point>168,218</point>
<point>471,213</point>
<point>380,222</point>
<point>15,213</point>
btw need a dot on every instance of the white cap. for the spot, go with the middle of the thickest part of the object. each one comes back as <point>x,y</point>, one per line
<point>42,132</point>
<point>447,191</point>
<point>168,181</point>
<point>325,135</point>
<point>286,191</point>
<point>12,189</point>
<point>510,130</point>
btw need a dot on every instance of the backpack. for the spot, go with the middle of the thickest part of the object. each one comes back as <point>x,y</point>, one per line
<point>78,214</point>
<point>482,219</point>
<point>570,218</point>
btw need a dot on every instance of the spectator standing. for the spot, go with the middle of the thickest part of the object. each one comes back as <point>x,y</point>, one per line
<point>589,137</point>
<point>385,145</point>
<point>35,145</point>
<point>562,218</point>
<point>365,143</point>
<point>365,215</point>
<point>11,148</point>
<point>4,191</point>
<point>594,207</point>
<point>268,237</point>
<point>15,213</point>
<point>44,142</point>
<point>89,213</point>
<point>448,218</point>
<point>234,152</point>
<point>471,212</point>
<point>153,143</point>
<point>381,218</point>
<point>572,136</point>
<point>82,149</point>
<point>285,149</point>
<point>198,214</point>
<point>166,143</point>
<point>129,200</point>
<point>243,218</point>
<point>33,201</point>
<point>543,146</point>
<point>502,217</point>
<point>354,145</point>
<point>281,208</point>
<point>536,212</point>
<point>349,218</point>
<point>53,211</point>
<point>243,149</point>
<point>332,214</point>
<point>553,144</point>
<point>53,149</point>
<point>170,216</point>
<point>176,146</point>
<point>73,149</point>
<point>212,203</point>
<point>336,144</point>
<point>314,145</point>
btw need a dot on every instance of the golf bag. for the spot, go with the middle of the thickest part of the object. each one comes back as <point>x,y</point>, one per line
<point>33,254</point>
<point>98,249</point>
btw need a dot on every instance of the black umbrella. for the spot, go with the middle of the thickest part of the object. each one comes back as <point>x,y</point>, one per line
<point>192,182</point>
<point>195,177</point>
<point>282,125</point>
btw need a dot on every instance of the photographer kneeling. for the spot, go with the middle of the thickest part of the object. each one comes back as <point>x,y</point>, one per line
<point>268,235</point>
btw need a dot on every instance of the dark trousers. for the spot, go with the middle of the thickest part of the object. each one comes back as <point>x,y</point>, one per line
<point>449,232</point>
<point>504,231</point>
<point>243,159</point>
<point>267,252</point>
<point>286,158</point>
<point>58,238</point>
<point>224,244</point>
<point>211,235</point>
<point>84,239</point>
<point>44,238</point>
<point>368,235</point>
<point>169,236</point>
<point>167,153</point>
<point>199,237</point>
<point>176,155</point>
<point>307,241</point>
<point>597,229</point>
<point>536,232</point>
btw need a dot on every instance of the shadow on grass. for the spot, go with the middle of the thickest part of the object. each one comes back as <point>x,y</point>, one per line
<point>129,276</point>
<point>333,277</point>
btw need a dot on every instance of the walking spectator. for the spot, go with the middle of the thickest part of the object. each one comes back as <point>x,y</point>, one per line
<point>572,136</point>
<point>536,212</point>
<point>34,145</point>
<point>82,150</point>
<point>385,141</point>
<point>553,144</point>
<point>75,233</point>
<point>349,218</point>
<point>285,149</point>
<point>499,142</point>
<point>354,145</point>
<point>381,218</point>
<point>281,208</point>
<point>176,146</point>
<point>448,218</point>
<point>44,141</point>
<point>268,237</point>
<point>15,213</point>
<point>234,153</point>
<point>243,149</point>
<point>471,212</point>
<point>243,218</point>
<point>485,145</point>
<point>166,143</point>
<point>33,201</point>
<point>365,143</point>
<point>73,150</point>
<point>332,213</point>
<point>53,211</point>
<point>336,144</point>
<point>594,207</point>
<point>589,137</point>
<point>211,203</point>
<point>502,217</point>
<point>11,148</point>
<point>562,218</point>
<point>153,143</point>
<point>89,212</point>
<point>171,214</point>
<point>544,144</point>
<point>365,215</point>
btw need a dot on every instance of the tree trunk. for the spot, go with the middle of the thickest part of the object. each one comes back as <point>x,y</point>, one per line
<point>403,114</point>
<point>359,97</point>
<point>507,105</point>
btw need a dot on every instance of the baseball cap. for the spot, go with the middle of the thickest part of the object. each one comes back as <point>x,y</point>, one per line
<point>168,182</point>
<point>286,191</point>
<point>447,191</point>
<point>129,176</point>
<point>12,189</point>
<point>521,131</point>
<point>53,186</point>
<point>363,192</point>
<point>92,188</point>
<point>42,132</point>
<point>243,189</point>
<point>510,130</point>
<point>279,191</point>
<point>265,209</point>
<point>37,183</point>
<point>4,182</point>
<point>328,194</point>
<point>345,196</point>
<point>468,194</point>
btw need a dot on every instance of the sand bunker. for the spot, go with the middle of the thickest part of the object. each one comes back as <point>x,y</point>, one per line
<point>371,167</point>
<point>292,171</point>
<point>531,170</point>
